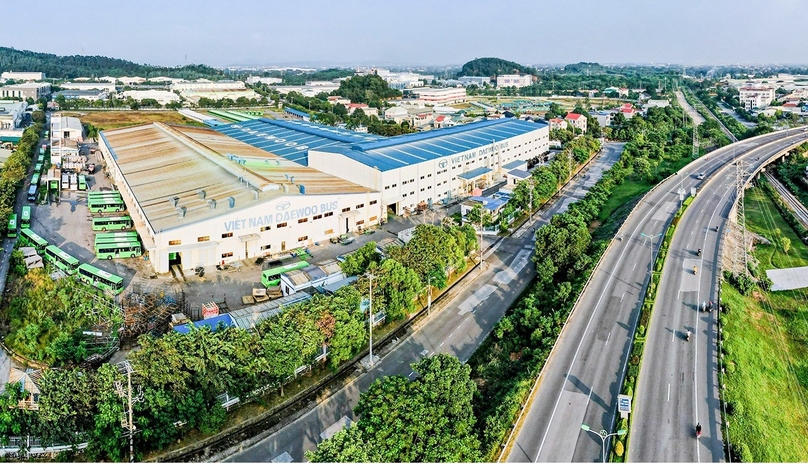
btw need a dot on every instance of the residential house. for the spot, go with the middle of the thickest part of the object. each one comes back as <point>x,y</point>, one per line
<point>577,121</point>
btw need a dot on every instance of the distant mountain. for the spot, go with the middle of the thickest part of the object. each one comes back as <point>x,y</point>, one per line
<point>493,67</point>
<point>68,67</point>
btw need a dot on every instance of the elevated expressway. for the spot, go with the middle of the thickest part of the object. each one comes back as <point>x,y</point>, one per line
<point>582,377</point>
<point>678,383</point>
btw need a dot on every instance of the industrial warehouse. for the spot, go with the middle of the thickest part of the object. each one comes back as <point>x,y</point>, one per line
<point>411,171</point>
<point>199,197</point>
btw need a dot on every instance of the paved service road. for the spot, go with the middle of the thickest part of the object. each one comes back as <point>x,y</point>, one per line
<point>678,383</point>
<point>458,325</point>
<point>581,379</point>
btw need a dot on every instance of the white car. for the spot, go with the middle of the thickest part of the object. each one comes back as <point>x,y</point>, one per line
<point>700,176</point>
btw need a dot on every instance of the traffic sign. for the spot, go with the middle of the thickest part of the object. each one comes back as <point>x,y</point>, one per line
<point>624,405</point>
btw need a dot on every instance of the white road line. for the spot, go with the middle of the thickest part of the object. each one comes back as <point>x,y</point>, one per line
<point>634,267</point>
<point>608,337</point>
<point>586,330</point>
<point>622,296</point>
<point>441,344</point>
<point>669,391</point>
<point>673,336</point>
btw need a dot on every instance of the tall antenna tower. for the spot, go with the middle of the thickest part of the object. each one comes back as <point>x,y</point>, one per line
<point>740,257</point>
<point>125,392</point>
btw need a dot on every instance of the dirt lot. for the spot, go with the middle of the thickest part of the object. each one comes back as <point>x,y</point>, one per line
<point>115,119</point>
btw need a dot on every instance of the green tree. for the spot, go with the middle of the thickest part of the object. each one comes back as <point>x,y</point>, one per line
<point>429,419</point>
<point>357,262</point>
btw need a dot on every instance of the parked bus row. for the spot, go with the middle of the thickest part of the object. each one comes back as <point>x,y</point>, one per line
<point>105,202</point>
<point>58,258</point>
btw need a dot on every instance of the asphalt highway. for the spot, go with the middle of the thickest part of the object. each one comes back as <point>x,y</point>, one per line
<point>458,325</point>
<point>678,383</point>
<point>582,377</point>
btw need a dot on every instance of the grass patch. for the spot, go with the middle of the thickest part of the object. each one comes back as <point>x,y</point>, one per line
<point>767,374</point>
<point>115,119</point>
<point>762,218</point>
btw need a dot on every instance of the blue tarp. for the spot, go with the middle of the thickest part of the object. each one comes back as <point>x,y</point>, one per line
<point>222,320</point>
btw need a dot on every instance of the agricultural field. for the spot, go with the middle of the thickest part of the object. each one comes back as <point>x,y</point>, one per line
<point>105,120</point>
<point>766,355</point>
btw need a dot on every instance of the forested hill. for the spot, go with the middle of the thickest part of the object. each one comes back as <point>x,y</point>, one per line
<point>493,67</point>
<point>68,67</point>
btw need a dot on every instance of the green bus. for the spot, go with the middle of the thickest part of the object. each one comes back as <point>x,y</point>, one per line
<point>82,182</point>
<point>112,236</point>
<point>107,206</point>
<point>38,168</point>
<point>112,223</point>
<point>100,278</point>
<point>272,277</point>
<point>61,260</point>
<point>30,238</point>
<point>114,241</point>
<point>40,159</point>
<point>25,217</point>
<point>123,249</point>
<point>104,193</point>
<point>12,225</point>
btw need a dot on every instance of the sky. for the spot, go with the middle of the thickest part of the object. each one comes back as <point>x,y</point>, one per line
<point>414,32</point>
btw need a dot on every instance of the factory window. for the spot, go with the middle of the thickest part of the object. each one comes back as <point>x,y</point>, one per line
<point>429,175</point>
<point>282,224</point>
<point>174,242</point>
<point>266,247</point>
<point>405,195</point>
<point>422,177</point>
<point>373,202</point>
<point>387,187</point>
<point>206,238</point>
<point>395,185</point>
<point>422,189</point>
<point>301,221</point>
<point>360,205</point>
<point>360,222</point>
<point>303,238</point>
<point>345,210</point>
<point>373,218</point>
<point>328,232</point>
<point>329,214</point>
<point>227,255</point>
<point>265,228</point>
<point>228,234</point>
<point>319,216</point>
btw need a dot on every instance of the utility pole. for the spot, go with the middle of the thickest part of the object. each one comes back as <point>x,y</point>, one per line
<point>128,420</point>
<point>370,319</point>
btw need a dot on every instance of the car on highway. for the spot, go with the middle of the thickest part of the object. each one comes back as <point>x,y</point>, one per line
<point>700,176</point>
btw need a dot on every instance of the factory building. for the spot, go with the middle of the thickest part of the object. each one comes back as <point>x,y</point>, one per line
<point>200,198</point>
<point>411,171</point>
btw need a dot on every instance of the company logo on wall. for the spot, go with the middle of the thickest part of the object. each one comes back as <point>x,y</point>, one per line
<point>284,205</point>
<point>442,163</point>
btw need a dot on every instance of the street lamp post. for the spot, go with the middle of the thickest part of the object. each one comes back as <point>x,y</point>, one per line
<point>603,435</point>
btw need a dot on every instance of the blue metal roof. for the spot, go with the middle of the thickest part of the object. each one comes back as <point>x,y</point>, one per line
<point>489,203</point>
<point>513,164</point>
<point>302,114</point>
<point>474,173</point>
<point>291,139</point>
<point>405,150</point>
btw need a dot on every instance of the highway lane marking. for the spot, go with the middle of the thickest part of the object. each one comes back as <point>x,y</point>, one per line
<point>586,330</point>
<point>669,391</point>
<point>608,337</point>
<point>622,296</point>
<point>441,344</point>
<point>634,267</point>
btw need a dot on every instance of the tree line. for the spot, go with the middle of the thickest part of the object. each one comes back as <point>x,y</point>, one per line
<point>69,67</point>
<point>15,170</point>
